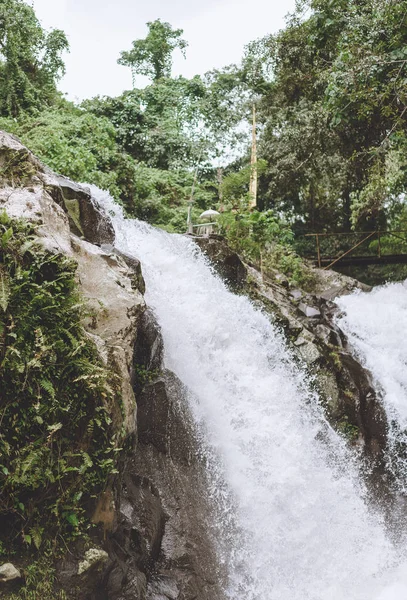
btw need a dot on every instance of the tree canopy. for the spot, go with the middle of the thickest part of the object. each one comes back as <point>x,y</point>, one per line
<point>152,56</point>
<point>30,59</point>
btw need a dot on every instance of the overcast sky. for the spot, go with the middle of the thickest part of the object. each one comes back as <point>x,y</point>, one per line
<point>98,30</point>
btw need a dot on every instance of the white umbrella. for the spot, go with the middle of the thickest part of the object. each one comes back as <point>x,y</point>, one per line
<point>209,214</point>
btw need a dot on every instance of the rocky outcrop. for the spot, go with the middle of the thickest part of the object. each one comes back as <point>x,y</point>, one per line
<point>226,262</point>
<point>113,288</point>
<point>345,387</point>
<point>159,543</point>
<point>151,539</point>
<point>308,321</point>
<point>162,547</point>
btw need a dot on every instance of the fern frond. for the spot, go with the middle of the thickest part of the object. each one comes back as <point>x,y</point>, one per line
<point>4,290</point>
<point>48,387</point>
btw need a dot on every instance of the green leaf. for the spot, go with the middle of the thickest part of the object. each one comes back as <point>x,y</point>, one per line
<point>4,290</point>
<point>36,533</point>
<point>72,519</point>
<point>5,238</point>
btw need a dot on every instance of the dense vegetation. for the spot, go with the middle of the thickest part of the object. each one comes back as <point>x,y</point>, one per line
<point>331,107</point>
<point>330,93</point>
<point>56,447</point>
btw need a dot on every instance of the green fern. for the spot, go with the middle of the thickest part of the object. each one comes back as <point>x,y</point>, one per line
<point>48,387</point>
<point>55,438</point>
<point>4,290</point>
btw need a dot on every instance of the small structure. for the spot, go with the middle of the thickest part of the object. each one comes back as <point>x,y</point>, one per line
<point>210,224</point>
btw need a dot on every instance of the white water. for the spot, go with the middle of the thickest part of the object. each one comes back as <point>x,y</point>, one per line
<point>376,325</point>
<point>291,512</point>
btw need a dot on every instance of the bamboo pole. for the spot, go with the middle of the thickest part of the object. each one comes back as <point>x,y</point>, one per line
<point>253,164</point>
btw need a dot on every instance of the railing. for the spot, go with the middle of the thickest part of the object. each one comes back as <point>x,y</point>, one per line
<point>368,236</point>
<point>205,228</point>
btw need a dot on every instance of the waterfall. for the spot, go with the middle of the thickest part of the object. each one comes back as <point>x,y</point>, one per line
<point>376,325</point>
<point>291,513</point>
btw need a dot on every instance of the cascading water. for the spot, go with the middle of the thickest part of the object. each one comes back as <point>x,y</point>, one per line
<point>376,325</point>
<point>293,522</point>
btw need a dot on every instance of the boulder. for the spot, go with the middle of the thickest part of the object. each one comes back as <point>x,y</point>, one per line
<point>23,174</point>
<point>8,572</point>
<point>94,558</point>
<point>87,218</point>
<point>226,262</point>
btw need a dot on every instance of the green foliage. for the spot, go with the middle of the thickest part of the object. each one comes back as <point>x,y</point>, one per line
<point>335,113</point>
<point>30,60</point>
<point>152,56</point>
<point>74,143</point>
<point>161,197</point>
<point>39,581</point>
<point>159,125</point>
<point>235,185</point>
<point>56,448</point>
<point>144,376</point>
<point>349,431</point>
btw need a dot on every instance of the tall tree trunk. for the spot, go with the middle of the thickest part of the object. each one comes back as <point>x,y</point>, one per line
<point>253,163</point>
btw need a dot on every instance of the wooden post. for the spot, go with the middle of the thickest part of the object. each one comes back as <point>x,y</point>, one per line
<point>220,179</point>
<point>318,251</point>
<point>190,225</point>
<point>253,164</point>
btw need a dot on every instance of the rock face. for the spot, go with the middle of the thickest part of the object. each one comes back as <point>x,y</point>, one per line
<point>345,387</point>
<point>226,262</point>
<point>159,544</point>
<point>110,285</point>
<point>152,539</point>
<point>308,322</point>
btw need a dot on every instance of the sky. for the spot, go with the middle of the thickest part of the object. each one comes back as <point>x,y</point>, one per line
<point>98,30</point>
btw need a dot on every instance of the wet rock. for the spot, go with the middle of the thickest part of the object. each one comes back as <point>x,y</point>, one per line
<point>226,262</point>
<point>328,335</point>
<point>87,219</point>
<point>331,284</point>
<point>345,387</point>
<point>309,352</point>
<point>115,309</point>
<point>161,406</point>
<point>309,311</point>
<point>135,266</point>
<point>162,588</point>
<point>148,350</point>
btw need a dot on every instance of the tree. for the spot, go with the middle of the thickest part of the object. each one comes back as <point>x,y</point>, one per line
<point>152,56</point>
<point>160,125</point>
<point>334,112</point>
<point>30,59</point>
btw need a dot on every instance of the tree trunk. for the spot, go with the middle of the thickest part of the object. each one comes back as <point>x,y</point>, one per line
<point>253,163</point>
